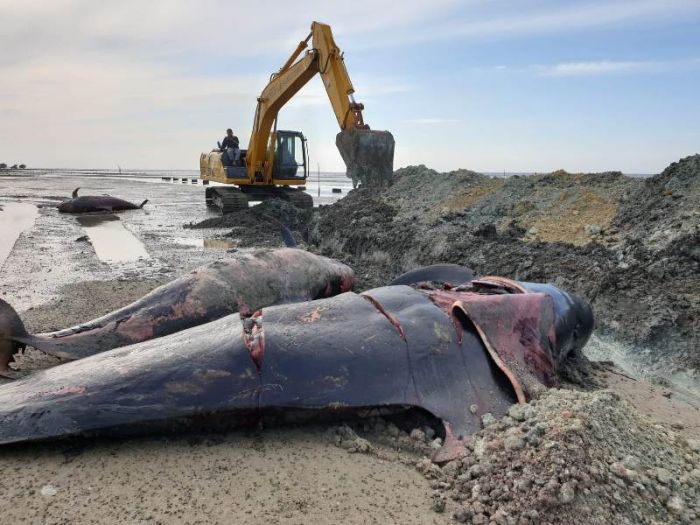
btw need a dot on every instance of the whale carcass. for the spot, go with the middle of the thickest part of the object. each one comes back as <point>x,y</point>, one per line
<point>454,351</point>
<point>96,203</point>
<point>247,281</point>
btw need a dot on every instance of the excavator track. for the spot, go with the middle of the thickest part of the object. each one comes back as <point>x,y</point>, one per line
<point>299,198</point>
<point>226,199</point>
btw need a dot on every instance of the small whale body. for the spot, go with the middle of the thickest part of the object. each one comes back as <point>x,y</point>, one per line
<point>94,203</point>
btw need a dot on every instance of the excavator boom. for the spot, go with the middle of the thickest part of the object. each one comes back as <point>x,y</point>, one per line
<point>368,154</point>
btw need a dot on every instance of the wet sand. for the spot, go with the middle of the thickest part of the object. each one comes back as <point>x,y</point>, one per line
<point>15,217</point>
<point>278,476</point>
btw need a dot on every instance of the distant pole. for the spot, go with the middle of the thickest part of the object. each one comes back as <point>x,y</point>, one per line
<point>318,178</point>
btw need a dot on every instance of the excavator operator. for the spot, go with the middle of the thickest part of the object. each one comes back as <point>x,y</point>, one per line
<point>230,146</point>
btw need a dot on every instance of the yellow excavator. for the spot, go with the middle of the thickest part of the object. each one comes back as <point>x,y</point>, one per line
<point>276,161</point>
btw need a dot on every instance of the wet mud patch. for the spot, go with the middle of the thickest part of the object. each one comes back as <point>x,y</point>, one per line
<point>15,217</point>
<point>111,240</point>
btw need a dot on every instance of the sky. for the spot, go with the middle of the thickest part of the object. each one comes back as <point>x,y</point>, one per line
<point>488,85</point>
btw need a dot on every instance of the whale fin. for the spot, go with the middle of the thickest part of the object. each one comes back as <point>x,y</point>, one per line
<point>287,236</point>
<point>14,337</point>
<point>143,203</point>
<point>445,273</point>
<point>11,327</point>
<point>75,192</point>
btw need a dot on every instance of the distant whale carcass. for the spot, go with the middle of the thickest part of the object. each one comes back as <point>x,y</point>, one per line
<point>92,203</point>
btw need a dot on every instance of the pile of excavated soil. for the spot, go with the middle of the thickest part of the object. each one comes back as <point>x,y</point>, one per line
<point>566,455</point>
<point>263,225</point>
<point>571,455</point>
<point>595,235</point>
<point>558,207</point>
<point>665,209</point>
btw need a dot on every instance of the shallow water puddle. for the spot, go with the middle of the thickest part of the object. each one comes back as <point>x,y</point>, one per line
<point>111,241</point>
<point>15,217</point>
<point>219,244</point>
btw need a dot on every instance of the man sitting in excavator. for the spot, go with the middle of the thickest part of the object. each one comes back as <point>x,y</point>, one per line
<point>230,147</point>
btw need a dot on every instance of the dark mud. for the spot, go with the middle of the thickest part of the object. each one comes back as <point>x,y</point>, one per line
<point>262,225</point>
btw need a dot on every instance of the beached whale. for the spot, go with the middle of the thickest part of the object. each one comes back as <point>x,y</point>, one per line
<point>94,203</point>
<point>246,282</point>
<point>456,352</point>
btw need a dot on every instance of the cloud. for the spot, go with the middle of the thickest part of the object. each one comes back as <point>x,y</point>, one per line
<point>165,29</point>
<point>595,68</point>
<point>116,80</point>
<point>544,17</point>
<point>431,121</point>
<point>104,87</point>
<point>609,67</point>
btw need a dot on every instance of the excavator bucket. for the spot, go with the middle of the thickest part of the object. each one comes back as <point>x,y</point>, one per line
<point>368,156</point>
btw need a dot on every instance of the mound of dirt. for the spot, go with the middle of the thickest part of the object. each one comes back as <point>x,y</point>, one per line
<point>263,225</point>
<point>666,208</point>
<point>565,455</point>
<point>568,455</point>
<point>558,207</point>
<point>586,233</point>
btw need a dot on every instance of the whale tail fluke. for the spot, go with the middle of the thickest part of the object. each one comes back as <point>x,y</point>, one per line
<point>11,328</point>
<point>75,192</point>
<point>143,203</point>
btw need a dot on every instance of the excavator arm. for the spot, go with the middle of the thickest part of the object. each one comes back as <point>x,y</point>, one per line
<point>368,154</point>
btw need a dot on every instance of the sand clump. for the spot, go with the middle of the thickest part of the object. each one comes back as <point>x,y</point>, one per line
<point>565,455</point>
<point>569,455</point>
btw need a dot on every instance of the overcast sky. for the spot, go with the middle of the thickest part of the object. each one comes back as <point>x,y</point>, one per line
<point>489,85</point>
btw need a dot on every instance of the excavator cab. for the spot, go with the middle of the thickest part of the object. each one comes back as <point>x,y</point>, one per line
<point>290,156</point>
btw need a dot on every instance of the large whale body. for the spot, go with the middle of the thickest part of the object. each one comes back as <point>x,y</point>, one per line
<point>454,351</point>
